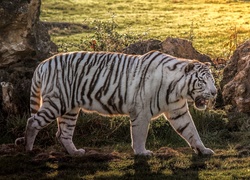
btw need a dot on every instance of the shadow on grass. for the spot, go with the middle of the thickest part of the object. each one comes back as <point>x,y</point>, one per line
<point>16,164</point>
<point>169,169</point>
<point>38,164</point>
<point>192,172</point>
<point>142,167</point>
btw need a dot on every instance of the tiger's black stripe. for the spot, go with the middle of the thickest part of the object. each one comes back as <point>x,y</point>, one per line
<point>179,116</point>
<point>181,129</point>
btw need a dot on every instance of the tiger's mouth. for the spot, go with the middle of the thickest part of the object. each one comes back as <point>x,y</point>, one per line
<point>201,102</point>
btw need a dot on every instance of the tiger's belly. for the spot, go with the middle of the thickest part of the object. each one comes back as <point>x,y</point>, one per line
<point>106,109</point>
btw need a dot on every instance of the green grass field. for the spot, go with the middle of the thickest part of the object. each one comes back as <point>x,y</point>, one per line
<point>214,26</point>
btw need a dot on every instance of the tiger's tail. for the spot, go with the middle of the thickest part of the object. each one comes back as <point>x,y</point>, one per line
<point>35,94</point>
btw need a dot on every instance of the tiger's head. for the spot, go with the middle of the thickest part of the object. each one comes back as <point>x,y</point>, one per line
<point>201,84</point>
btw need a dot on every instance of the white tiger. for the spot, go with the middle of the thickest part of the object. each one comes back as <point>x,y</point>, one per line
<point>140,86</point>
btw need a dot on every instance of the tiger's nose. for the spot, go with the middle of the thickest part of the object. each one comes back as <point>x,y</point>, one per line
<point>214,92</point>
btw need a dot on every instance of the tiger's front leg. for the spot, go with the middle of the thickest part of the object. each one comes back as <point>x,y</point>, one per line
<point>66,127</point>
<point>139,131</point>
<point>183,123</point>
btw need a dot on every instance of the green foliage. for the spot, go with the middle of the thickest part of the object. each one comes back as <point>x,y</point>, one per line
<point>105,37</point>
<point>95,130</point>
<point>162,134</point>
<point>12,127</point>
<point>209,120</point>
<point>212,126</point>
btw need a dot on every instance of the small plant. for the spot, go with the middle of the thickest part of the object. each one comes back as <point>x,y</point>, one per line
<point>191,32</point>
<point>234,40</point>
<point>13,126</point>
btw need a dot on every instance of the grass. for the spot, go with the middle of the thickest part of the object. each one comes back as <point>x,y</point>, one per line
<point>214,26</point>
<point>166,163</point>
<point>109,155</point>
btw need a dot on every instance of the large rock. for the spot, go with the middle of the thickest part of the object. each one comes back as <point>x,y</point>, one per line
<point>236,79</point>
<point>24,41</point>
<point>174,46</point>
<point>142,47</point>
<point>22,36</point>
<point>182,48</point>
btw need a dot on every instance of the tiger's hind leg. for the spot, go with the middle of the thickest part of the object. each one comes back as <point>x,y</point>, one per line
<point>30,135</point>
<point>38,121</point>
<point>66,126</point>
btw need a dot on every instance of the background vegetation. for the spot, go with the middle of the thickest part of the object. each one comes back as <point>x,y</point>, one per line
<point>215,27</point>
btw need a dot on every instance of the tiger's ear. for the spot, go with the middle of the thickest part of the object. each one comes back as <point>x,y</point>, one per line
<point>189,67</point>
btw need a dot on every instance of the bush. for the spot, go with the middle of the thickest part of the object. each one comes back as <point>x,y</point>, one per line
<point>105,37</point>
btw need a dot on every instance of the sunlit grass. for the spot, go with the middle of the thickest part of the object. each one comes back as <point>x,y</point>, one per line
<point>209,21</point>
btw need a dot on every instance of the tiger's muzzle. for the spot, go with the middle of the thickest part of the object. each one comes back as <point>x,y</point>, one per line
<point>202,101</point>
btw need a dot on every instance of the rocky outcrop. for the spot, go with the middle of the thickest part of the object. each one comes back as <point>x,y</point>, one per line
<point>174,46</point>
<point>182,48</point>
<point>236,79</point>
<point>22,36</point>
<point>143,47</point>
<point>24,41</point>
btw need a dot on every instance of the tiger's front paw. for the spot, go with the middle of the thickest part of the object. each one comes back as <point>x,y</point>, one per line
<point>144,153</point>
<point>207,151</point>
<point>78,152</point>
<point>204,151</point>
